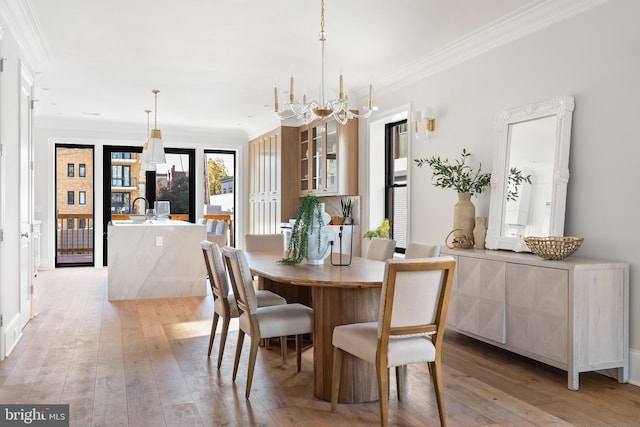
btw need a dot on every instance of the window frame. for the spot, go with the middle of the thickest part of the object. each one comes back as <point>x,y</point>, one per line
<point>391,183</point>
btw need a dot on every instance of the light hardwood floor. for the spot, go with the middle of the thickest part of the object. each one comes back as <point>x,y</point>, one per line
<point>144,363</point>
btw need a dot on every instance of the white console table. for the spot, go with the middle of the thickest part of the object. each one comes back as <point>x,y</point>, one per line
<point>571,314</point>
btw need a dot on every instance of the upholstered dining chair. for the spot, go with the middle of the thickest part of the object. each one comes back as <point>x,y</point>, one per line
<point>381,249</point>
<point>224,303</point>
<point>422,250</point>
<point>263,322</point>
<point>264,242</point>
<point>410,328</point>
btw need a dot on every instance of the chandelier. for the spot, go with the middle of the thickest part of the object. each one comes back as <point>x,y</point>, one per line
<point>321,108</point>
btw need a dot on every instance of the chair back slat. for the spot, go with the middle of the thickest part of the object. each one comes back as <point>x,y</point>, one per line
<point>415,296</point>
<point>422,250</point>
<point>217,285</point>
<point>381,249</point>
<point>241,280</point>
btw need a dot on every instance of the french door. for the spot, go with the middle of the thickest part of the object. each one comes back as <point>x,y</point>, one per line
<point>129,189</point>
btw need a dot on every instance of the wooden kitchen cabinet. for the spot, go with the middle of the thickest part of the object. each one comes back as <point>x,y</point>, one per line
<point>571,314</point>
<point>273,172</point>
<point>328,158</point>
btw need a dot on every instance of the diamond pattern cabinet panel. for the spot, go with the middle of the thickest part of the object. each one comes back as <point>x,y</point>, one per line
<point>537,310</point>
<point>480,298</point>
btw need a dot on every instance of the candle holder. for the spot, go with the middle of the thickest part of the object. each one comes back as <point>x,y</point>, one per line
<point>340,238</point>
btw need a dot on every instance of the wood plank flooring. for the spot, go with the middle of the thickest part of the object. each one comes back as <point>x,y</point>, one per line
<point>143,363</point>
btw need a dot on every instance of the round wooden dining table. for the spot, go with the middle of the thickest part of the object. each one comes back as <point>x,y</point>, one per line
<point>339,295</point>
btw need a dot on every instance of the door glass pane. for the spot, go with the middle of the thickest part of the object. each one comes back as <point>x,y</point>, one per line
<point>172,184</point>
<point>220,188</point>
<point>74,216</point>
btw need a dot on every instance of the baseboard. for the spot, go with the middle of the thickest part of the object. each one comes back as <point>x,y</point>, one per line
<point>634,367</point>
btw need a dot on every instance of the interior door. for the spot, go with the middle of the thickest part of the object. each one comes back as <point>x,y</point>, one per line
<point>27,309</point>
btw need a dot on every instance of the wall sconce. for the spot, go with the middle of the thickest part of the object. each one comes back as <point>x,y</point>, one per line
<point>424,123</point>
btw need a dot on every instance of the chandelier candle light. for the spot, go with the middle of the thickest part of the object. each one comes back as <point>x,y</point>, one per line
<point>321,108</point>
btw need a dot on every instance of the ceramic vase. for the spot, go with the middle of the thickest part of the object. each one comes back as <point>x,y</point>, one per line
<point>319,249</point>
<point>464,213</point>
<point>480,232</point>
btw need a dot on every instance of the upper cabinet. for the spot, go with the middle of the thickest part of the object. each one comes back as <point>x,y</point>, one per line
<point>328,154</point>
<point>272,167</point>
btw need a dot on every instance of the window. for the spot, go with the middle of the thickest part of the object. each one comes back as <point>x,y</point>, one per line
<point>82,170</point>
<point>120,175</point>
<point>82,198</point>
<point>81,224</point>
<point>70,198</point>
<point>70,224</point>
<point>70,171</point>
<point>396,170</point>
<point>121,155</point>
<point>120,203</point>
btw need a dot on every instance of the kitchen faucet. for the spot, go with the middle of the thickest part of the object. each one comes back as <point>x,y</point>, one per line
<point>133,204</point>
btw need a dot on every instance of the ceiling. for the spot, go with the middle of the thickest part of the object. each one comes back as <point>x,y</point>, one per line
<point>215,62</point>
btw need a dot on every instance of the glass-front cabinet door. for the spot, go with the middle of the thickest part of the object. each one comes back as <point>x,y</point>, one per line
<point>304,161</point>
<point>317,172</point>
<point>331,158</point>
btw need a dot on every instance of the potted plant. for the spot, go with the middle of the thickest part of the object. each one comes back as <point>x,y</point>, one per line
<point>309,215</point>
<point>346,205</point>
<point>382,231</point>
<point>463,178</point>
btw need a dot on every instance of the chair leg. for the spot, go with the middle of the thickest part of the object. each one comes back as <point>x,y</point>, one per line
<point>238,352</point>
<point>214,325</point>
<point>299,352</point>
<point>223,339</point>
<point>335,380</point>
<point>400,374</point>
<point>383,394</point>
<point>436,376</point>
<point>252,364</point>
<point>283,349</point>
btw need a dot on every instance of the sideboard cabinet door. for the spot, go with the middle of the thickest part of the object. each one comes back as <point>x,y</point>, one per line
<point>480,298</point>
<point>537,310</point>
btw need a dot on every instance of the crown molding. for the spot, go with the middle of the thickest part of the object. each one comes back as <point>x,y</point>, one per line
<point>518,24</point>
<point>22,22</point>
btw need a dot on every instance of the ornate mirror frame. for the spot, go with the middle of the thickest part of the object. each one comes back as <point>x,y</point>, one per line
<point>561,109</point>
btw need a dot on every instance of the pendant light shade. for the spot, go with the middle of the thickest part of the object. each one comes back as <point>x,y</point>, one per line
<point>146,164</point>
<point>156,146</point>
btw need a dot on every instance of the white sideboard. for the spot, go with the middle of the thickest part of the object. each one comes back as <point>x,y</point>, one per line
<point>571,314</point>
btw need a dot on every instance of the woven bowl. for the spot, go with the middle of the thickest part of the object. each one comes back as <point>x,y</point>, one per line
<point>553,247</point>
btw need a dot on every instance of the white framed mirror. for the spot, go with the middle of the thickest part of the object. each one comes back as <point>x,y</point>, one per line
<point>532,141</point>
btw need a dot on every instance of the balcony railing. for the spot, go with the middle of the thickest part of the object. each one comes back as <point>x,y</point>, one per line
<point>75,237</point>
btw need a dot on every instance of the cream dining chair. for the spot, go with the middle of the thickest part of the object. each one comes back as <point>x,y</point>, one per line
<point>422,250</point>
<point>263,322</point>
<point>410,328</point>
<point>224,303</point>
<point>381,249</point>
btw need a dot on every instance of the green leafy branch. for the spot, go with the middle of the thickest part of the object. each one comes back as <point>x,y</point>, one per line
<point>458,175</point>
<point>299,242</point>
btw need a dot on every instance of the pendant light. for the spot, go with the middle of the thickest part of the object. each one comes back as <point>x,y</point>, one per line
<point>156,147</point>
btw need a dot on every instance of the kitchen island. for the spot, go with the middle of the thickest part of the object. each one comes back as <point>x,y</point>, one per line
<point>155,259</point>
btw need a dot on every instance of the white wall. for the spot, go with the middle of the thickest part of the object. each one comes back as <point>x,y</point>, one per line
<point>593,57</point>
<point>98,134</point>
